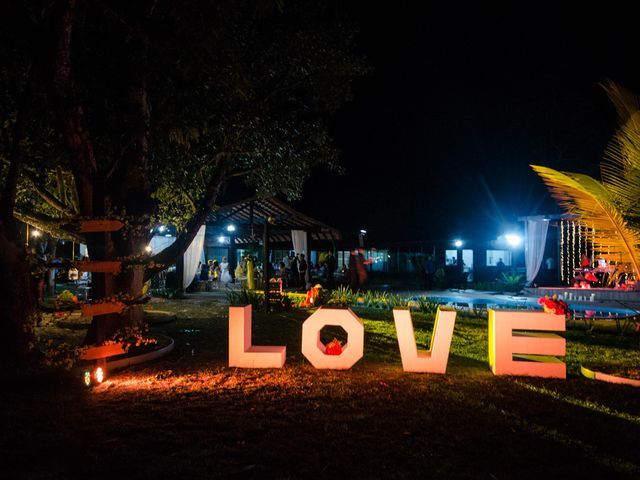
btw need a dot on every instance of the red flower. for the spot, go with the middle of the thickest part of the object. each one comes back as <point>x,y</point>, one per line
<point>590,277</point>
<point>312,294</point>
<point>554,305</point>
<point>334,347</point>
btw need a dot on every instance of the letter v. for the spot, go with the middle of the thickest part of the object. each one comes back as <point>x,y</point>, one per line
<point>435,359</point>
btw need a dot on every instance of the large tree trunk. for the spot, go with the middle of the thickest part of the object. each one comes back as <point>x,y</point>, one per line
<point>105,327</point>
<point>17,297</point>
<point>119,185</point>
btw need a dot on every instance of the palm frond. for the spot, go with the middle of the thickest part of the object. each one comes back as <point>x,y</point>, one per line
<point>589,199</point>
<point>625,101</point>
<point>620,167</point>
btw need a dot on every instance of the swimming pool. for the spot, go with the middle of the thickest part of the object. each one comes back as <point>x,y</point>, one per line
<point>531,303</point>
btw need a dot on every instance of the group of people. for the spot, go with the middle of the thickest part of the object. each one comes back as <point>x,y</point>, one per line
<point>216,272</point>
<point>295,271</point>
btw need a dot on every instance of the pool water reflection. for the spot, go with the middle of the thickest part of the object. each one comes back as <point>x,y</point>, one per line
<point>506,302</point>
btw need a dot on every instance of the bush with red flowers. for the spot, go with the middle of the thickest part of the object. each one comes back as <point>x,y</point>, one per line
<point>554,305</point>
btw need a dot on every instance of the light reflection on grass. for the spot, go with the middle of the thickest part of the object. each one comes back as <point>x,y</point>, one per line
<point>597,407</point>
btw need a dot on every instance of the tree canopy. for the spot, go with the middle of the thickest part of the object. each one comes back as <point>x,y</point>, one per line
<point>146,111</point>
<point>200,90</point>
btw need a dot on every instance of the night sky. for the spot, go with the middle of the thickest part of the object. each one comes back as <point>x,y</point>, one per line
<point>438,139</point>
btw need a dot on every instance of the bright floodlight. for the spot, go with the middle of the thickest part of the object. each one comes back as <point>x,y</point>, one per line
<point>231,228</point>
<point>457,243</point>
<point>221,239</point>
<point>513,239</point>
<point>35,233</point>
<point>148,248</point>
<point>162,228</point>
<point>363,232</point>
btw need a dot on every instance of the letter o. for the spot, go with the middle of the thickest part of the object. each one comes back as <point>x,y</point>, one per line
<point>314,350</point>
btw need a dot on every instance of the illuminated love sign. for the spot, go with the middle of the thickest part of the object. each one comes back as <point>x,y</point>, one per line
<point>516,344</point>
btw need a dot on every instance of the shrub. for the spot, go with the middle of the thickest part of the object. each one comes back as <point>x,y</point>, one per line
<point>427,305</point>
<point>511,282</point>
<point>246,297</point>
<point>342,296</point>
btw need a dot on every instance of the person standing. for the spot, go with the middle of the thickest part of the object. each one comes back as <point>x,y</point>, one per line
<point>302,268</point>
<point>225,275</point>
<point>330,265</point>
<point>215,273</point>
<point>204,272</point>
<point>360,268</point>
<point>429,270</point>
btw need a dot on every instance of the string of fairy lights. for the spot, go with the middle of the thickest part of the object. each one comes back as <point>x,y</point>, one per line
<point>575,241</point>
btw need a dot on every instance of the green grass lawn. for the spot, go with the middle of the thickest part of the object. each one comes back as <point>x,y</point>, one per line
<point>188,415</point>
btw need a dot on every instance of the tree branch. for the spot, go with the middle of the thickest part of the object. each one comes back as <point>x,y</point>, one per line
<point>47,196</point>
<point>168,256</point>
<point>53,226</point>
<point>239,173</point>
<point>190,199</point>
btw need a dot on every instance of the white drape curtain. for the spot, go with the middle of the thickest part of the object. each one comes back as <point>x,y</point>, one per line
<point>192,256</point>
<point>536,234</point>
<point>299,239</point>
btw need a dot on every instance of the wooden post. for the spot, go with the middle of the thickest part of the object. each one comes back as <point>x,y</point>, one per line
<point>266,264</point>
<point>180,271</point>
<point>251,219</point>
<point>232,256</point>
